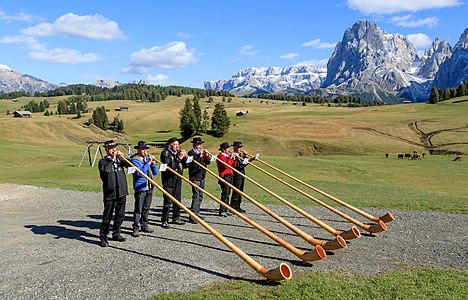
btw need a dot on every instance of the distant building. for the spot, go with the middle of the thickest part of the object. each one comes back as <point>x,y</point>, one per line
<point>88,110</point>
<point>22,114</point>
<point>121,108</point>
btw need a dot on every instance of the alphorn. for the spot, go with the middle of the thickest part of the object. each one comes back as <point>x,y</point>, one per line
<point>348,235</point>
<point>388,217</point>
<point>378,227</point>
<point>335,244</point>
<point>278,274</point>
<point>317,254</point>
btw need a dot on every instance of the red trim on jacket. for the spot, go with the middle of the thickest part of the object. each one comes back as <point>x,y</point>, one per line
<point>224,170</point>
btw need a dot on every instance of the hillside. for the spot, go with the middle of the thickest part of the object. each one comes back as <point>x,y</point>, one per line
<point>270,127</point>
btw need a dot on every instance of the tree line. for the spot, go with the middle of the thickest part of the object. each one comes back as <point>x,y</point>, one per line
<point>437,95</point>
<point>130,91</point>
<point>346,100</point>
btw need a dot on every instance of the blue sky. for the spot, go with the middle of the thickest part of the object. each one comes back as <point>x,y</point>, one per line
<point>188,42</point>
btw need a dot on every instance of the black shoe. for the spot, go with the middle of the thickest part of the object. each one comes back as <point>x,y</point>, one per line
<point>178,222</point>
<point>119,238</point>
<point>240,210</point>
<point>136,232</point>
<point>147,229</point>
<point>193,221</point>
<point>165,225</point>
<point>103,242</point>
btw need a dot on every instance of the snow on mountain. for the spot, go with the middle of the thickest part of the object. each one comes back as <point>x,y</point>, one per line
<point>433,57</point>
<point>295,79</point>
<point>106,83</point>
<point>12,81</point>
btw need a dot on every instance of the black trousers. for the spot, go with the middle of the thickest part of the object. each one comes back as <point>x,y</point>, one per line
<point>176,192</point>
<point>236,198</point>
<point>117,205</point>
<point>142,207</point>
<point>225,191</point>
<point>197,196</point>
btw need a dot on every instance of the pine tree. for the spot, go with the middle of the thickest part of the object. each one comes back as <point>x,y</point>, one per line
<point>434,97</point>
<point>100,118</point>
<point>220,121</point>
<point>197,111</point>
<point>205,122</point>
<point>188,122</point>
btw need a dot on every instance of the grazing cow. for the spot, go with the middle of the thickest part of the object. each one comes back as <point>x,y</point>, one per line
<point>416,155</point>
<point>401,155</point>
<point>458,157</point>
<point>408,155</point>
<point>386,155</point>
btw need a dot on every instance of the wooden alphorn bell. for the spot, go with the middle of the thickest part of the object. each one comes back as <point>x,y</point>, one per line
<point>278,274</point>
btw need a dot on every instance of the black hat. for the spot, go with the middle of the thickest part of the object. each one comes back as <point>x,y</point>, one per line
<point>197,140</point>
<point>110,144</point>
<point>171,140</point>
<point>224,145</point>
<point>237,144</point>
<point>141,144</point>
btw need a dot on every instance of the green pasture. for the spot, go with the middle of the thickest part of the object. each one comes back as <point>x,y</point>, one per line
<point>402,284</point>
<point>336,149</point>
<point>331,148</point>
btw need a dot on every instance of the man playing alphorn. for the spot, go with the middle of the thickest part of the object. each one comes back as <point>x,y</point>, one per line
<point>197,174</point>
<point>143,188</point>
<point>225,173</point>
<point>114,187</point>
<point>238,180</point>
<point>175,159</point>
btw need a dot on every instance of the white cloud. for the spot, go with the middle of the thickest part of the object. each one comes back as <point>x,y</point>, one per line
<point>290,56</point>
<point>158,79</point>
<point>419,40</point>
<point>94,27</point>
<point>313,62</point>
<point>64,56</point>
<point>20,17</point>
<point>39,51</point>
<point>248,50</point>
<point>28,42</point>
<point>368,7</point>
<point>410,22</point>
<point>318,44</point>
<point>170,56</point>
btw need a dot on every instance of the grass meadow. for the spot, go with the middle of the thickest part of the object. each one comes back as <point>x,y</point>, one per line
<point>336,149</point>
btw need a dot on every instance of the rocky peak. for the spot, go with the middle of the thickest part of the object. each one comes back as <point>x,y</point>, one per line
<point>433,58</point>
<point>12,81</point>
<point>454,70</point>
<point>367,55</point>
<point>463,41</point>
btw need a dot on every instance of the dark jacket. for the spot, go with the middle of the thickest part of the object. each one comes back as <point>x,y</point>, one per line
<point>140,183</point>
<point>114,182</point>
<point>168,178</point>
<point>195,171</point>
<point>239,166</point>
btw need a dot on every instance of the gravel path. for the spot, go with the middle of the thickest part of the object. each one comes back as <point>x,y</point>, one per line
<point>49,249</point>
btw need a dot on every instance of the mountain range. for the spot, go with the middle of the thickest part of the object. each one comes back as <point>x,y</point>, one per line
<point>367,62</point>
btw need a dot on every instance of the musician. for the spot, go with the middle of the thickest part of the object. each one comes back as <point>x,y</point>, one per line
<point>175,159</point>
<point>238,180</point>
<point>115,191</point>
<point>143,188</point>
<point>197,175</point>
<point>227,174</point>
